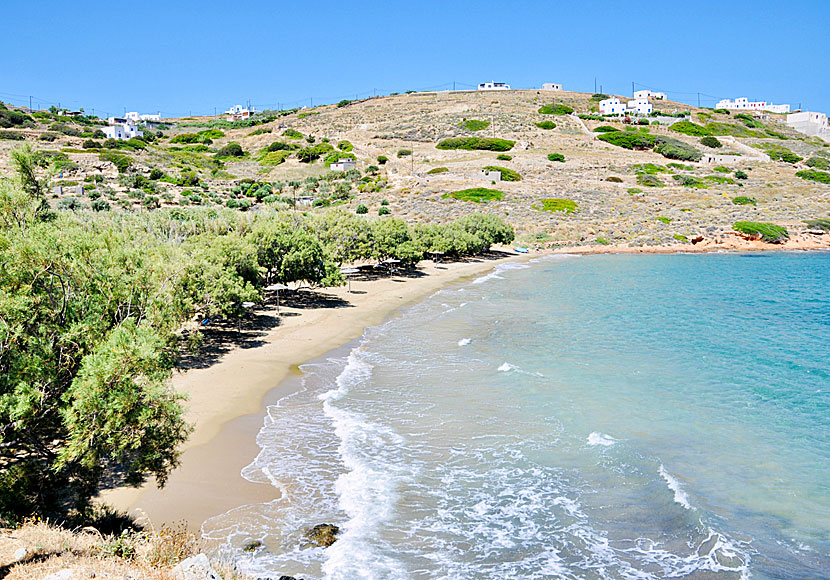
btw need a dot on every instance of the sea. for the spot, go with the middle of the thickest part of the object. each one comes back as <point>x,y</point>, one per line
<point>577,417</point>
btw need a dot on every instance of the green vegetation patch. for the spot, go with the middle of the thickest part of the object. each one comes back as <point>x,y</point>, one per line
<point>546,125</point>
<point>335,156</point>
<point>475,124</point>
<point>690,181</point>
<point>556,157</point>
<point>778,152</point>
<point>813,175</point>
<point>506,174</point>
<point>674,149</point>
<point>749,121</point>
<point>650,168</point>
<point>605,129</point>
<point>437,170</point>
<point>663,219</point>
<point>122,162</point>
<point>345,145</point>
<point>744,200</point>
<point>770,233</point>
<point>712,142</point>
<point>476,143</point>
<point>557,205</point>
<point>626,140</point>
<point>504,157</point>
<point>689,128</point>
<point>476,194</point>
<point>818,163</point>
<point>819,224</point>
<point>292,134</point>
<point>722,169</point>
<point>647,180</point>
<point>556,110</point>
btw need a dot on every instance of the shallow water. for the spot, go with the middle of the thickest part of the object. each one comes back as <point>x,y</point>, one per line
<point>591,417</point>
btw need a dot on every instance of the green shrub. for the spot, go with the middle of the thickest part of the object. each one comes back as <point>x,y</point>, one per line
<point>476,143</point>
<point>344,102</point>
<point>599,97</point>
<point>476,194</point>
<point>311,154</point>
<point>384,202</point>
<point>11,136</point>
<point>740,174</point>
<point>382,159</point>
<point>504,157</point>
<point>613,179</point>
<point>231,150</point>
<point>271,158</point>
<point>404,152</point>
<point>743,200</point>
<point>674,149</point>
<point>770,233</point>
<point>185,138</point>
<point>779,153</point>
<point>335,156</point>
<point>557,205</point>
<point>383,210</point>
<point>437,170</point>
<point>813,175</point>
<point>722,169</point>
<point>90,144</point>
<point>506,174</point>
<point>260,131</point>
<point>819,224</point>
<point>818,162</point>
<point>49,137</point>
<point>556,110</point>
<point>721,111</point>
<point>546,125</point>
<point>634,190</point>
<point>475,124</point>
<point>556,157</point>
<point>345,145</point>
<point>100,205</point>
<point>719,179</point>
<point>690,181</point>
<point>605,129</point>
<point>280,146</point>
<point>292,134</point>
<point>628,140</point>
<point>156,174</point>
<point>689,128</point>
<point>647,180</point>
<point>749,121</point>
<point>651,168</point>
<point>122,162</point>
<point>712,142</point>
<point>361,209</point>
<point>662,219</point>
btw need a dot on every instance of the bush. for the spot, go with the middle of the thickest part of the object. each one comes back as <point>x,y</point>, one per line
<point>11,136</point>
<point>558,205</point>
<point>292,134</point>
<point>749,121</point>
<point>361,209</point>
<point>384,202</point>
<point>383,210</point>
<point>506,174</point>
<point>605,129</point>
<point>712,142</point>
<point>599,97</point>
<point>689,128</point>
<point>504,157</point>
<point>818,163</point>
<point>476,143</point>
<point>743,200</point>
<point>382,159</point>
<point>404,152</point>
<point>780,153</point>
<point>280,146</point>
<point>690,181</point>
<point>475,124</point>
<point>663,219</point>
<point>345,145</point>
<point>90,144</point>
<point>231,150</point>
<point>156,174</point>
<point>556,157</point>
<point>556,110</point>
<point>311,154</point>
<point>613,179</point>
<point>770,233</point>
<point>819,224</point>
<point>740,174</point>
<point>674,149</point>
<point>100,205</point>
<point>628,140</point>
<point>437,170</point>
<point>122,162</point>
<point>721,111</point>
<point>722,169</point>
<point>185,138</point>
<point>647,180</point>
<point>476,194</point>
<point>49,137</point>
<point>335,156</point>
<point>546,125</point>
<point>813,175</point>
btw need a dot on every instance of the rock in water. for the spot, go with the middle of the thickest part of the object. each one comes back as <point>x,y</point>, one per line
<point>195,568</point>
<point>322,535</point>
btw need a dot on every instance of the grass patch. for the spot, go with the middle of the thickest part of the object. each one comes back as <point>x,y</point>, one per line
<point>292,134</point>
<point>504,157</point>
<point>680,238</point>
<point>476,143</point>
<point>663,219</point>
<point>650,168</point>
<point>813,175</point>
<point>475,124</point>
<point>437,170</point>
<point>722,169</point>
<point>690,181</point>
<point>476,194</point>
<point>647,180</point>
<point>818,163</point>
<point>546,125</point>
<point>634,190</point>
<point>557,205</point>
<point>556,157</point>
<point>744,200</point>
<point>555,110</point>
<point>712,142</point>
<point>689,128</point>
<point>770,233</point>
<point>605,129</point>
<point>626,140</point>
<point>778,152</point>
<point>819,224</point>
<point>506,174</point>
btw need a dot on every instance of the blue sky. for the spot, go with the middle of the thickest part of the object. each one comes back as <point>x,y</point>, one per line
<point>191,57</point>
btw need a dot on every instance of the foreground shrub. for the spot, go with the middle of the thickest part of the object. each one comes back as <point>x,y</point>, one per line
<point>819,224</point>
<point>556,110</point>
<point>437,170</point>
<point>674,149</point>
<point>647,180</point>
<point>740,174</point>
<point>712,142</point>
<point>557,205</point>
<point>818,162</point>
<point>292,134</point>
<point>546,125</point>
<point>345,145</point>
<point>476,143</point>
<point>504,157</point>
<point>770,233</point>
<point>689,128</point>
<point>779,153</point>
<point>383,210</point>
<point>404,152</point>
<point>813,175</point>
<point>361,209</point>
<point>382,159</point>
<point>475,124</point>
<point>628,140</point>
<point>743,200</point>
<point>506,174</point>
<point>231,150</point>
<point>605,129</point>
<point>556,157</point>
<point>476,194</point>
<point>11,136</point>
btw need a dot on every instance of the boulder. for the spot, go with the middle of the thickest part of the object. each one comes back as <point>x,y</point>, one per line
<point>322,535</point>
<point>195,568</point>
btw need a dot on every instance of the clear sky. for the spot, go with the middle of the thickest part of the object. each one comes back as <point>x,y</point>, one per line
<point>183,57</point>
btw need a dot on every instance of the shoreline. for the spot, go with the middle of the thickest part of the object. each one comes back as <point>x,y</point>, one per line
<point>229,393</point>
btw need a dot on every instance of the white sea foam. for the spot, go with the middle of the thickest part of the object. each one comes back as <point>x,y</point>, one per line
<point>597,438</point>
<point>501,268</point>
<point>680,496</point>
<point>464,341</point>
<point>506,367</point>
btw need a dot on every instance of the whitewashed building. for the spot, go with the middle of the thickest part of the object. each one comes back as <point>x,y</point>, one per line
<point>135,117</point>
<point>810,123</point>
<point>611,106</point>
<point>647,94</point>
<point>493,86</point>
<point>551,86</point>
<point>639,106</point>
<point>744,104</point>
<point>238,112</point>
<point>343,165</point>
<point>122,131</point>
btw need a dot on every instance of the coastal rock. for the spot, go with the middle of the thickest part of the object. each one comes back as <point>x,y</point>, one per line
<point>20,554</point>
<point>322,535</point>
<point>252,545</point>
<point>195,568</point>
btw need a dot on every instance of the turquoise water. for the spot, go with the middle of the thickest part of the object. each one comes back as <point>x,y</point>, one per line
<point>578,417</point>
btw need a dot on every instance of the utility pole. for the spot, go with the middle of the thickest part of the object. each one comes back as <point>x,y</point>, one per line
<point>595,85</point>
<point>30,102</point>
<point>698,100</point>
<point>632,88</point>
<point>453,86</point>
<point>312,101</point>
<point>374,92</point>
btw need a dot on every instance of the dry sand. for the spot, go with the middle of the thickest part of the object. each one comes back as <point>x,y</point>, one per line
<point>230,386</point>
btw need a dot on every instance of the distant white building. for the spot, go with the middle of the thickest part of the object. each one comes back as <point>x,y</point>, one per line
<point>810,123</point>
<point>551,86</point>
<point>343,165</point>
<point>646,94</point>
<point>493,86</point>
<point>238,112</point>
<point>744,104</point>
<point>122,131</point>
<point>135,117</point>
<point>611,106</point>
<point>639,106</point>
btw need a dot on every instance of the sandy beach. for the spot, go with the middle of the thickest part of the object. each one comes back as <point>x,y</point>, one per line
<point>232,381</point>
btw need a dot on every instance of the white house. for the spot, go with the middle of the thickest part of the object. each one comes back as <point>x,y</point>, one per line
<point>122,131</point>
<point>343,165</point>
<point>639,106</point>
<point>611,106</point>
<point>238,112</point>
<point>551,86</point>
<point>810,123</point>
<point>646,94</point>
<point>135,117</point>
<point>744,104</point>
<point>493,86</point>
